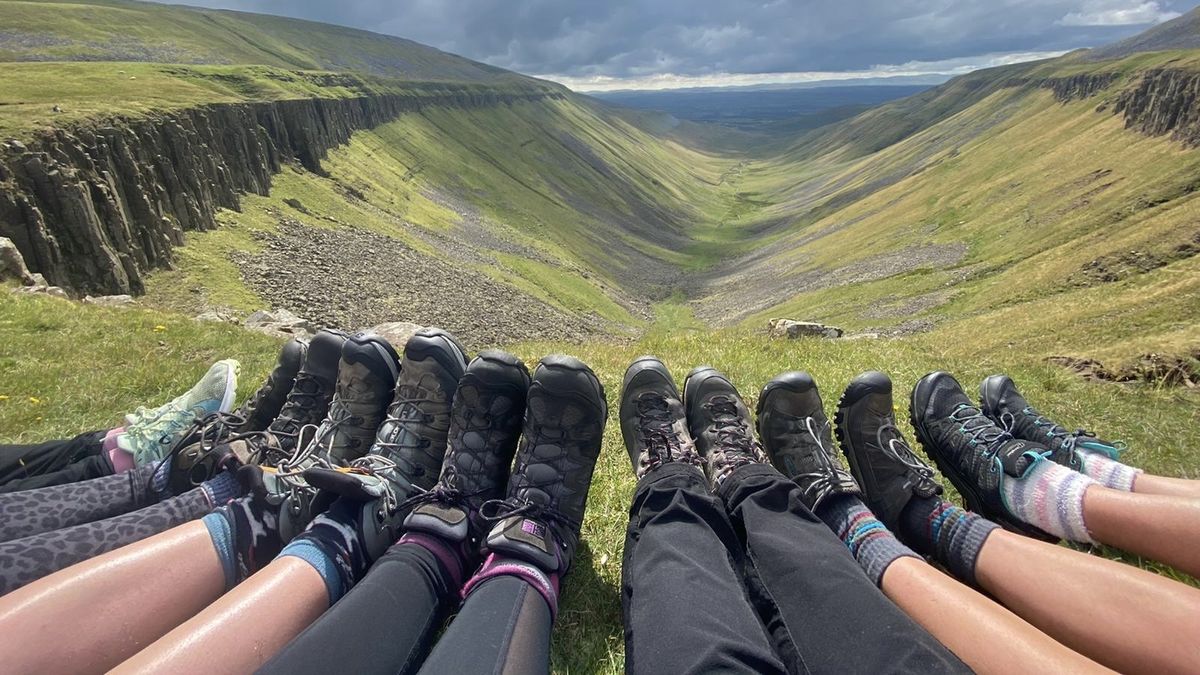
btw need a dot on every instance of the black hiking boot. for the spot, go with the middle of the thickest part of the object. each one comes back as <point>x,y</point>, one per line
<point>796,435</point>
<point>653,421</point>
<point>411,443</point>
<point>485,423</point>
<point>540,518</point>
<point>720,423</point>
<point>883,463</point>
<point>264,406</point>
<point>971,450</point>
<point>1004,405</point>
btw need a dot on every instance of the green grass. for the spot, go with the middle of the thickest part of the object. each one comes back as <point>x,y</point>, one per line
<point>88,365</point>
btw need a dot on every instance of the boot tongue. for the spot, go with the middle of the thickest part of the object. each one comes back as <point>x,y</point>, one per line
<point>1016,456</point>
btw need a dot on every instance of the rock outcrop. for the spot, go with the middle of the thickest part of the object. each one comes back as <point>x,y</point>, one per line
<point>1165,101</point>
<point>93,209</point>
<point>787,328</point>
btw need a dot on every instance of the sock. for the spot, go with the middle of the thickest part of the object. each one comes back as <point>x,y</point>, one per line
<point>1049,496</point>
<point>450,556</point>
<point>121,460</point>
<point>332,546</point>
<point>543,582</point>
<point>871,544</point>
<point>245,533</point>
<point>948,534</point>
<point>113,432</point>
<point>221,489</point>
<point>1107,471</point>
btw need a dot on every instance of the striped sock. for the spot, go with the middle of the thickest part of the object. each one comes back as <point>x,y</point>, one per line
<point>871,544</point>
<point>1050,496</point>
<point>1107,471</point>
<point>948,534</point>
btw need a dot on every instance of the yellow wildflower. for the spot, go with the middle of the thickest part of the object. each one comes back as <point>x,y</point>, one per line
<point>159,328</point>
<point>3,397</point>
<point>34,400</point>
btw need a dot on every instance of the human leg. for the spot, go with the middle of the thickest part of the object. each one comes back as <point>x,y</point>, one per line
<point>25,461</point>
<point>31,512</point>
<point>797,438</point>
<point>1073,597</point>
<point>407,593</point>
<point>682,566</point>
<point>25,560</point>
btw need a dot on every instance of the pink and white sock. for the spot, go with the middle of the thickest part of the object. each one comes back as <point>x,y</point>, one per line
<point>1050,496</point>
<point>1108,472</point>
<point>121,460</point>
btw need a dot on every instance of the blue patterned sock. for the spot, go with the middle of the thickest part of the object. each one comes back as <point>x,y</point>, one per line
<point>948,534</point>
<point>871,544</point>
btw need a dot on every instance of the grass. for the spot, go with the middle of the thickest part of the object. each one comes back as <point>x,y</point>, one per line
<point>44,341</point>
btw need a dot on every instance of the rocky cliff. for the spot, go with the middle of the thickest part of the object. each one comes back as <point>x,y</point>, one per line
<point>93,209</point>
<point>1164,101</point>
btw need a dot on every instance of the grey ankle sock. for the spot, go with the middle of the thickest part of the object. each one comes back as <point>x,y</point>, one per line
<point>952,536</point>
<point>871,544</point>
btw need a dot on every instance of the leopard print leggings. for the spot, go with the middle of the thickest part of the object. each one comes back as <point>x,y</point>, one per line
<point>26,560</point>
<point>30,512</point>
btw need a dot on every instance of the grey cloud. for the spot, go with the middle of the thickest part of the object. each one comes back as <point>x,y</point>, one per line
<point>632,38</point>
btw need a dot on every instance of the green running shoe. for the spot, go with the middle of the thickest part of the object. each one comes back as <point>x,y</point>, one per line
<point>151,433</point>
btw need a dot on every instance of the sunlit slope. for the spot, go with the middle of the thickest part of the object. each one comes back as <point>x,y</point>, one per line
<point>1025,193</point>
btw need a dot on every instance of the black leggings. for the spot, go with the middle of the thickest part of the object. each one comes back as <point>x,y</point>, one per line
<point>26,467</point>
<point>387,624</point>
<point>750,580</point>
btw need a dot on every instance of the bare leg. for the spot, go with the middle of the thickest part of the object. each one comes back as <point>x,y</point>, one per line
<point>1170,487</point>
<point>1165,529</point>
<point>987,637</point>
<point>253,622</point>
<point>113,605</point>
<point>1126,618</point>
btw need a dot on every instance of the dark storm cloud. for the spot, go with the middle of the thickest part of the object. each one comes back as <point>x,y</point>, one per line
<point>632,39</point>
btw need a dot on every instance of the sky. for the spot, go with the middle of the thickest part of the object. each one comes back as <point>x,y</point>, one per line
<point>596,45</point>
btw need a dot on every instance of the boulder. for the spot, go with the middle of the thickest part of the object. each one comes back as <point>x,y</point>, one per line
<point>787,328</point>
<point>396,332</point>
<point>280,323</point>
<point>108,300</point>
<point>12,264</point>
<point>42,289</point>
<point>219,317</point>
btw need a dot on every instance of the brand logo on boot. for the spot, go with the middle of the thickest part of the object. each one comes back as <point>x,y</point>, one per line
<point>533,528</point>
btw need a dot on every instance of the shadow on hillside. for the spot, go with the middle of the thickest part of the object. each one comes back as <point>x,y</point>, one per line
<point>589,628</point>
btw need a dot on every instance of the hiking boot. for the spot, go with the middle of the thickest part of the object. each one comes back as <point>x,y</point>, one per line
<point>719,422</point>
<point>883,463</point>
<point>485,423</point>
<point>1005,406</point>
<point>411,442</point>
<point>150,435</point>
<point>308,401</point>
<point>366,378</point>
<point>969,449</point>
<point>653,421</point>
<point>259,410</point>
<point>540,519</point>
<point>796,436</point>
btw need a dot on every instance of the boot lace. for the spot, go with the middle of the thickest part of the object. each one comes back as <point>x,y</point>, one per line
<point>738,447</point>
<point>657,434</point>
<point>827,477</point>
<point>1081,438</point>
<point>890,441</point>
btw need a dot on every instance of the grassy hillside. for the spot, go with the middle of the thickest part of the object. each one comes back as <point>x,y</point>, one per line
<point>125,30</point>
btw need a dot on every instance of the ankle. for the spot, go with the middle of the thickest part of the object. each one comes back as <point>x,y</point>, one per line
<point>497,565</point>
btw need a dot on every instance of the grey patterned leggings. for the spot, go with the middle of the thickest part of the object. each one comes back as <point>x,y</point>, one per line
<point>23,514</point>
<point>26,560</point>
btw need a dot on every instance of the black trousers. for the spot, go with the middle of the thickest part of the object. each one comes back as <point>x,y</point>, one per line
<point>25,467</point>
<point>750,580</point>
<point>388,623</point>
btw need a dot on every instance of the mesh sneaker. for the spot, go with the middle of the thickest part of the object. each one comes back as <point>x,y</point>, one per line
<point>888,470</point>
<point>1005,406</point>
<point>151,434</point>
<point>193,458</point>
<point>540,519</point>
<point>795,433</point>
<point>653,422</point>
<point>259,410</point>
<point>485,423</point>
<point>970,450</point>
<point>720,423</point>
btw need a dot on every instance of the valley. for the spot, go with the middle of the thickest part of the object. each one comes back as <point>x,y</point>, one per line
<point>1010,220</point>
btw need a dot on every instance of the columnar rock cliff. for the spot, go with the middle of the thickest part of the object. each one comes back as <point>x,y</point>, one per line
<point>1165,101</point>
<point>93,209</point>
